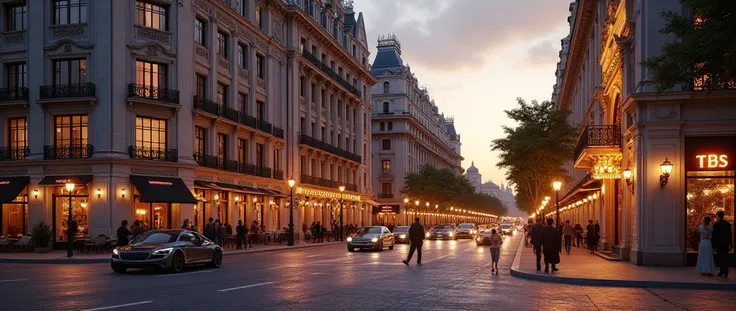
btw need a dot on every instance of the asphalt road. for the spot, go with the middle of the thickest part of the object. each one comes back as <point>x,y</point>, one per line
<point>455,276</point>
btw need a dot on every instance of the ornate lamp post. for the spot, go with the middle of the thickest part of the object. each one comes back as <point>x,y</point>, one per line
<point>406,209</point>
<point>416,208</point>
<point>557,185</point>
<point>69,237</point>
<point>426,217</point>
<point>291,182</point>
<point>342,189</point>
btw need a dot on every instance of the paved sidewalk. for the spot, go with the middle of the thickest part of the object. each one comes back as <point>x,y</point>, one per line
<point>59,256</point>
<point>582,268</point>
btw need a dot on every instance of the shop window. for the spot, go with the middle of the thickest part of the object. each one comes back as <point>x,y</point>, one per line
<point>14,217</point>
<point>79,208</point>
<point>150,134</point>
<point>151,15</point>
<point>222,212</point>
<point>707,193</point>
<point>153,216</point>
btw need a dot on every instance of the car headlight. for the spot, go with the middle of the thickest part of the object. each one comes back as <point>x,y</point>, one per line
<point>163,251</point>
<point>115,252</point>
<point>374,240</point>
<point>349,239</point>
<point>451,234</point>
<point>427,235</point>
<point>403,236</point>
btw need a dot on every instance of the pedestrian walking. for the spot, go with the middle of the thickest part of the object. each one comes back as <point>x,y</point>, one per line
<point>590,238</point>
<point>537,242</point>
<point>239,235</point>
<point>567,233</point>
<point>578,235</point>
<point>722,242</point>
<point>416,239</point>
<point>138,229</point>
<point>597,235</point>
<point>496,241</point>
<point>219,233</point>
<point>124,234</point>
<point>186,225</point>
<point>209,229</point>
<point>706,266</point>
<point>551,246</point>
<point>318,232</point>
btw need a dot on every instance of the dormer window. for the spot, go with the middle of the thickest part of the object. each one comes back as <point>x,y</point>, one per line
<point>386,87</point>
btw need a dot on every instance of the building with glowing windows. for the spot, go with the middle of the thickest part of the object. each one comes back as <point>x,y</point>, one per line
<point>165,111</point>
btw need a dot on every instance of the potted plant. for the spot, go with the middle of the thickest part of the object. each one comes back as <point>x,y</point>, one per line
<point>41,236</point>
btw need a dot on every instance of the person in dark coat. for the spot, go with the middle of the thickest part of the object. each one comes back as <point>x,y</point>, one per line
<point>416,239</point>
<point>219,233</point>
<point>209,230</point>
<point>536,241</point>
<point>597,235</point>
<point>551,246</point>
<point>591,238</point>
<point>123,233</point>
<point>722,242</point>
<point>239,235</point>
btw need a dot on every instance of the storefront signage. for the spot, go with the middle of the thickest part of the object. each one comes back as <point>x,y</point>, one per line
<point>709,153</point>
<point>159,183</point>
<point>4,182</point>
<point>310,192</point>
<point>387,209</point>
<point>63,181</point>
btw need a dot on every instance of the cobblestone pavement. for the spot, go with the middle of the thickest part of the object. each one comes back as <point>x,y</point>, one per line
<point>455,276</point>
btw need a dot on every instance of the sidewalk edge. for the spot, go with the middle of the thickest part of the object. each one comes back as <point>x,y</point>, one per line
<point>518,273</point>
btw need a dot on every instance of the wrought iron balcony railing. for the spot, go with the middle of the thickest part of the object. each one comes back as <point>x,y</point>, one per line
<point>351,187</point>
<point>13,153</point>
<point>263,171</point>
<point>208,161</point>
<point>230,165</point>
<point>206,105</point>
<point>278,132</point>
<point>264,126</point>
<point>385,195</point>
<point>145,153</point>
<point>13,94</point>
<point>248,169</point>
<point>312,180</point>
<point>327,70</point>
<point>153,93</point>
<point>309,141</point>
<point>598,136</point>
<point>67,90</point>
<point>278,174</point>
<point>67,151</point>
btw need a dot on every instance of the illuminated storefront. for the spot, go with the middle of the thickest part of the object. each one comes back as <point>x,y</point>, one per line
<point>14,206</point>
<point>386,214</point>
<point>61,200</point>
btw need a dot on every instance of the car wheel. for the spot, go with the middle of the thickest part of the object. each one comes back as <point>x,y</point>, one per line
<point>216,259</point>
<point>118,268</point>
<point>177,263</point>
<point>350,249</point>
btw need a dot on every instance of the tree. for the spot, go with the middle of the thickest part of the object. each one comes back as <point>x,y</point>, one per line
<point>437,186</point>
<point>533,153</point>
<point>704,51</point>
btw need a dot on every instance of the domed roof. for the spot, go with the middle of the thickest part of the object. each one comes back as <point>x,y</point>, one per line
<point>490,184</point>
<point>472,169</point>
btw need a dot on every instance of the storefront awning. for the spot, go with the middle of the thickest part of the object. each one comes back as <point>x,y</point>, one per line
<point>79,180</point>
<point>162,190</point>
<point>10,187</point>
<point>219,186</point>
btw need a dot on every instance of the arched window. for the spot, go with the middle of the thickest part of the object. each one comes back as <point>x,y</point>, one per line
<point>386,87</point>
<point>385,106</point>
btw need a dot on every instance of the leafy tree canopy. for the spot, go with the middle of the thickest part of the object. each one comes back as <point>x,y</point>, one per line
<point>533,152</point>
<point>704,49</point>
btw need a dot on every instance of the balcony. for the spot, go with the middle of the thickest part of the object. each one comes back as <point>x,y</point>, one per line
<point>264,126</point>
<point>316,181</point>
<point>63,91</point>
<point>153,93</point>
<point>13,153</point>
<point>351,187</point>
<point>263,171</point>
<point>278,174</point>
<point>314,143</point>
<point>331,73</point>
<point>385,195</point>
<point>13,94</point>
<point>208,106</point>
<point>207,160</point>
<point>155,154</point>
<point>52,152</point>
<point>230,165</point>
<point>278,132</point>
<point>248,169</point>
<point>599,147</point>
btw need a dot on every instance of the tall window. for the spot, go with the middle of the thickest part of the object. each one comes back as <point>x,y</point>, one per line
<point>260,70</point>
<point>259,17</point>
<point>390,126</point>
<point>386,164</point>
<point>151,15</point>
<point>70,12</point>
<point>260,110</point>
<point>386,188</point>
<point>200,140</point>
<point>222,44</point>
<point>382,126</point>
<point>18,136</point>
<point>17,17</point>
<point>242,56</point>
<point>222,147</point>
<point>242,150</point>
<point>386,87</point>
<point>259,155</point>
<point>150,133</point>
<point>386,144</point>
<point>150,75</point>
<point>221,94</point>
<point>243,103</point>
<point>201,86</point>
<point>277,159</point>
<point>71,130</point>
<point>16,75</point>
<point>70,71</point>
<point>200,30</point>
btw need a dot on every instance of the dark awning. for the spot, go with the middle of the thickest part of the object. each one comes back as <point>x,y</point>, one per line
<point>252,190</point>
<point>229,187</point>
<point>162,190</point>
<point>79,180</point>
<point>10,187</point>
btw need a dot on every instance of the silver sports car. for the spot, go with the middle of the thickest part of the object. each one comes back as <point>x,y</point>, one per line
<point>167,249</point>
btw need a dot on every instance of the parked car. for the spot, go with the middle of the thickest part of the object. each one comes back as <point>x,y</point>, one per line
<point>442,232</point>
<point>401,234</point>
<point>375,238</point>
<point>466,231</point>
<point>167,249</point>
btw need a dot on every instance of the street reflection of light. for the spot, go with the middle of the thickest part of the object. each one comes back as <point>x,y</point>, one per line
<point>479,250</point>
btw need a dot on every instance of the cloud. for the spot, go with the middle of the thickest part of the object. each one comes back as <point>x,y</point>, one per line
<point>544,53</point>
<point>456,34</point>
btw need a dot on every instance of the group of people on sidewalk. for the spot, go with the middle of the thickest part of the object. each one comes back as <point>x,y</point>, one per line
<point>714,237</point>
<point>546,240</point>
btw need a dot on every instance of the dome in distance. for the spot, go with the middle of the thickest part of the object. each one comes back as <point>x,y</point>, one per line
<point>472,169</point>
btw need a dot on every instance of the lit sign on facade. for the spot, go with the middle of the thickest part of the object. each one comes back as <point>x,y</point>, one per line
<point>4,182</point>
<point>159,183</point>
<point>709,153</point>
<point>712,160</point>
<point>326,194</point>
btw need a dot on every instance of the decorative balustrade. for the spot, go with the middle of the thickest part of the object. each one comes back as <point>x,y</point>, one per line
<point>145,153</point>
<point>214,108</point>
<point>13,153</point>
<point>316,181</point>
<point>67,90</point>
<point>309,141</point>
<point>67,151</point>
<point>153,93</point>
<point>598,136</point>
<point>13,94</point>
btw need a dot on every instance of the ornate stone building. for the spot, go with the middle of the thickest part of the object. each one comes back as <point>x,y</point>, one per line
<point>504,193</point>
<point>647,166</point>
<point>165,110</point>
<point>408,129</point>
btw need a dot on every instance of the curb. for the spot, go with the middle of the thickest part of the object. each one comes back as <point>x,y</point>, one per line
<point>516,272</point>
<point>78,261</point>
<point>606,256</point>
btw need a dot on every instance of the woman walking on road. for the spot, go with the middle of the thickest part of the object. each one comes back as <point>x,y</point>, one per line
<point>706,265</point>
<point>496,241</point>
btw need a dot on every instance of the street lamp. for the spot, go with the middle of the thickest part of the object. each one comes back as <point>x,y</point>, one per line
<point>406,210</point>
<point>69,237</point>
<point>291,182</point>
<point>342,189</point>
<point>557,185</point>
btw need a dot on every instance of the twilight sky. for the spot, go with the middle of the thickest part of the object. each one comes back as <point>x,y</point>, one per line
<point>475,57</point>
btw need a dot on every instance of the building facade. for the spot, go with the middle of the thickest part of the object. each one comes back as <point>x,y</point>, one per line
<point>162,111</point>
<point>648,167</point>
<point>503,193</point>
<point>408,131</point>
